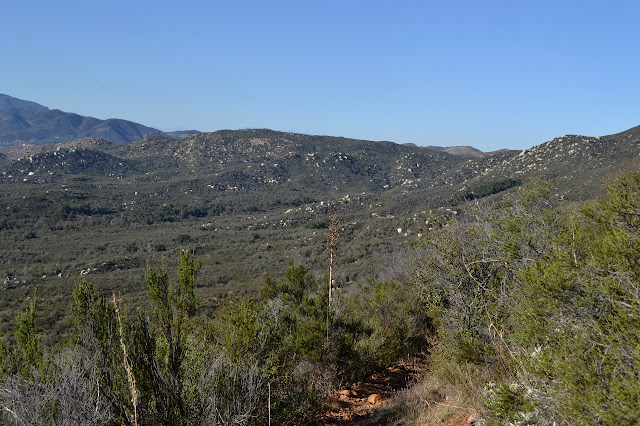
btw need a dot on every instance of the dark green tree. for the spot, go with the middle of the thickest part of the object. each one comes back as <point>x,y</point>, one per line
<point>174,303</point>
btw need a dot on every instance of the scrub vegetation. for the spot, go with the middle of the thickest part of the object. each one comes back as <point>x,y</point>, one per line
<point>188,282</point>
<point>529,308</point>
<point>536,308</point>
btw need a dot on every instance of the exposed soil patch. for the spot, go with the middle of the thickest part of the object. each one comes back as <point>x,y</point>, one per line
<point>357,404</point>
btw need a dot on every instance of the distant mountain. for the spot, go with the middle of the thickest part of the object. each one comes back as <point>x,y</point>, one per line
<point>24,122</point>
<point>463,151</point>
<point>279,163</point>
<point>263,159</point>
<point>179,134</point>
<point>248,160</point>
<point>20,107</point>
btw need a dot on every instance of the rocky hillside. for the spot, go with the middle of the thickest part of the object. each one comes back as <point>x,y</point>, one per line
<point>251,199</point>
<point>577,164</point>
<point>263,159</point>
<point>256,158</point>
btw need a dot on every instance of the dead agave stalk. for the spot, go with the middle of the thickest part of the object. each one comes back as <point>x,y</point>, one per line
<point>332,246</point>
<point>130,378</point>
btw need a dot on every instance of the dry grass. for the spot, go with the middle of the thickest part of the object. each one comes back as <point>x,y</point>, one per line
<point>436,398</point>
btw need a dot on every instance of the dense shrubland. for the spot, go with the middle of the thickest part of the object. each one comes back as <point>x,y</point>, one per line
<point>530,306</point>
<point>538,306</point>
<point>277,353</point>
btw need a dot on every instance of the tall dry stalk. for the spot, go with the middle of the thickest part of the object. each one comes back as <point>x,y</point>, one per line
<point>332,245</point>
<point>130,378</point>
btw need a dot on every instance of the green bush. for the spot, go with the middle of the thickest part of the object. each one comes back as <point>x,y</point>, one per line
<point>383,322</point>
<point>578,319</point>
<point>183,238</point>
<point>546,298</point>
<point>486,189</point>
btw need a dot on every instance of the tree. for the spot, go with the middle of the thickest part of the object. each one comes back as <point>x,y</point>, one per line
<point>29,350</point>
<point>174,304</point>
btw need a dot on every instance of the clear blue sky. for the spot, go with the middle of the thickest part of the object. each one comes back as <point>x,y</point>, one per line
<point>491,74</point>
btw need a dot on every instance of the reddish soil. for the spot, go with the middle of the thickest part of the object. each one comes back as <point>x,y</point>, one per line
<point>358,404</point>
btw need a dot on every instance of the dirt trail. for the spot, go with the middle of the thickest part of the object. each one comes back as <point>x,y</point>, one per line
<point>357,404</point>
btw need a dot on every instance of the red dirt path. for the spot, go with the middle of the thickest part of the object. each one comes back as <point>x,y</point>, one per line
<point>357,404</point>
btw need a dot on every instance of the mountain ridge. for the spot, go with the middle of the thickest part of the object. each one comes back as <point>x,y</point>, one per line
<point>251,158</point>
<point>19,106</point>
<point>28,123</point>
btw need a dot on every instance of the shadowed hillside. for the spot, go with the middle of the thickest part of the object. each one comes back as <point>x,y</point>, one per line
<point>24,122</point>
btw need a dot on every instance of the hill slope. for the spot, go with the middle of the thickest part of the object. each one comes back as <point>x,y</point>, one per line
<point>19,107</point>
<point>247,201</point>
<point>250,199</point>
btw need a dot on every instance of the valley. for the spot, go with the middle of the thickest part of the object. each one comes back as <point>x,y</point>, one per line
<point>89,225</point>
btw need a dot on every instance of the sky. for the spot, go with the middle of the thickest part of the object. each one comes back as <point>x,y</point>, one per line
<point>490,74</point>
